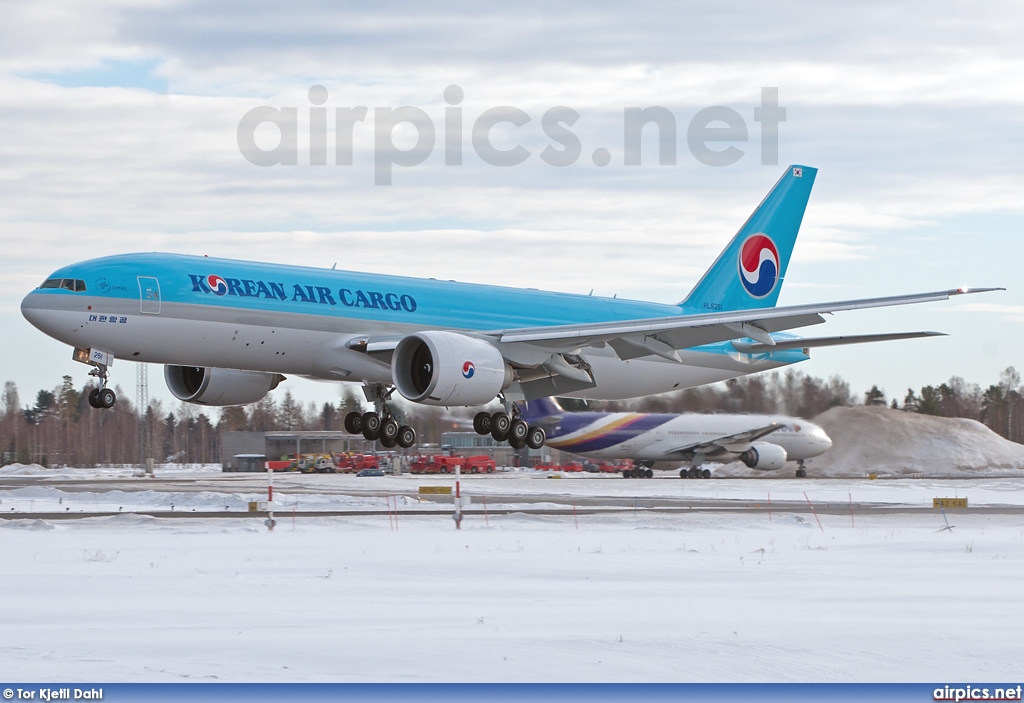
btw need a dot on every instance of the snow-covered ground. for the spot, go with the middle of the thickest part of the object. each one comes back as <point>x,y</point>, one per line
<point>626,596</point>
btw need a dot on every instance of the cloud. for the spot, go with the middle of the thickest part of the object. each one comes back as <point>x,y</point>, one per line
<point>118,133</point>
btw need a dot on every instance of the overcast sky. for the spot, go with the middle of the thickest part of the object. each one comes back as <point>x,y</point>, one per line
<point>118,133</point>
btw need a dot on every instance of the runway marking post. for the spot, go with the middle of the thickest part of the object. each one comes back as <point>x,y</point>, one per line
<point>270,522</point>
<point>813,512</point>
<point>458,498</point>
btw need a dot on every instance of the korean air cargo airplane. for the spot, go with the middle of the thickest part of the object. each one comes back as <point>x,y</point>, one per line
<point>228,331</point>
<point>664,441</point>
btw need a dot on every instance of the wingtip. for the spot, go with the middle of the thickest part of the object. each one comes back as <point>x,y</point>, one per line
<point>964,290</point>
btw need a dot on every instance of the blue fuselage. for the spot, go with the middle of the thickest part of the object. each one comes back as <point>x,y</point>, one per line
<point>199,311</point>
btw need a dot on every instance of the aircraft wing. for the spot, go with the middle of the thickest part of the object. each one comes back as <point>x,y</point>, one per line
<point>725,443</point>
<point>663,336</point>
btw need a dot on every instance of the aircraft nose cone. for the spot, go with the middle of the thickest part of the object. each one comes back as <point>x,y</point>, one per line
<point>33,311</point>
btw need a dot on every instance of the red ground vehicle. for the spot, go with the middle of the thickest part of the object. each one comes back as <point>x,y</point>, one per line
<point>355,463</point>
<point>440,464</point>
<point>481,464</point>
<point>559,467</point>
<point>608,467</point>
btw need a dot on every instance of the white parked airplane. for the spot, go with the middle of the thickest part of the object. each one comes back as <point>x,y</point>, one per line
<point>664,441</point>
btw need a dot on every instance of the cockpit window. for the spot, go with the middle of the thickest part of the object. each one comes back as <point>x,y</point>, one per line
<point>76,285</point>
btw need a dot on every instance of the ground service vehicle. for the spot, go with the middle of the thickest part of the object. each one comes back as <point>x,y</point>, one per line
<point>442,464</point>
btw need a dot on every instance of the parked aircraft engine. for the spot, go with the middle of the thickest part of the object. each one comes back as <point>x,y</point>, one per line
<point>206,386</point>
<point>448,368</point>
<point>764,456</point>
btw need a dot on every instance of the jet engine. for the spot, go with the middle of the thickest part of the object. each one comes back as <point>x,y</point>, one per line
<point>206,386</point>
<point>764,456</point>
<point>448,368</point>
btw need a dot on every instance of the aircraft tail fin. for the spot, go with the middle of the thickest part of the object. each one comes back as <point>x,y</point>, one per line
<point>749,273</point>
<point>540,408</point>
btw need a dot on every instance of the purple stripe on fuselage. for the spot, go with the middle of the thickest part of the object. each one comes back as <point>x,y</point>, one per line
<point>610,438</point>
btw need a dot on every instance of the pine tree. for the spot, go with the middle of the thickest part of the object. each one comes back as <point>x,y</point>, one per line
<point>875,396</point>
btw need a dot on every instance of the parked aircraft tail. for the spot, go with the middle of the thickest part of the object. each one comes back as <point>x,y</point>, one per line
<point>541,408</point>
<point>749,273</point>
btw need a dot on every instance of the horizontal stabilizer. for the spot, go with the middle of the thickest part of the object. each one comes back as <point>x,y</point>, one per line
<point>807,342</point>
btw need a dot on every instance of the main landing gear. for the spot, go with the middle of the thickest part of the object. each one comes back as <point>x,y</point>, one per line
<point>638,472</point>
<point>801,471</point>
<point>380,425</point>
<point>509,426</point>
<point>695,472</point>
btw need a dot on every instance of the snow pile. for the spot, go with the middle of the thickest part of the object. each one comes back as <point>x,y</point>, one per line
<point>879,440</point>
<point>119,471</point>
<point>22,470</point>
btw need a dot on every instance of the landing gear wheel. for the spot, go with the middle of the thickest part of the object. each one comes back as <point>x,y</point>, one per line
<point>627,473</point>
<point>482,423</point>
<point>94,398</point>
<point>500,426</point>
<point>695,472</point>
<point>387,442</point>
<point>389,432</point>
<point>706,473</point>
<point>106,398</point>
<point>683,473</point>
<point>354,422</point>
<point>801,473</point>
<point>371,425</point>
<point>406,436</point>
<point>519,430</point>
<point>648,473</point>
<point>536,437</point>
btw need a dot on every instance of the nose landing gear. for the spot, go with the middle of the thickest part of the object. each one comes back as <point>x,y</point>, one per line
<point>102,397</point>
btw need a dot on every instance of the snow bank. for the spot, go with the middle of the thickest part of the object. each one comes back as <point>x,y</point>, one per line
<point>22,470</point>
<point>120,471</point>
<point>892,442</point>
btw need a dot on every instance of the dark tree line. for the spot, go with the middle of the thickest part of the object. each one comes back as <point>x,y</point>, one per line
<point>1000,406</point>
<point>59,427</point>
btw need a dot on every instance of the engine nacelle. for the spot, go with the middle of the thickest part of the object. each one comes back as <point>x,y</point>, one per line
<point>448,368</point>
<point>206,386</point>
<point>764,456</point>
